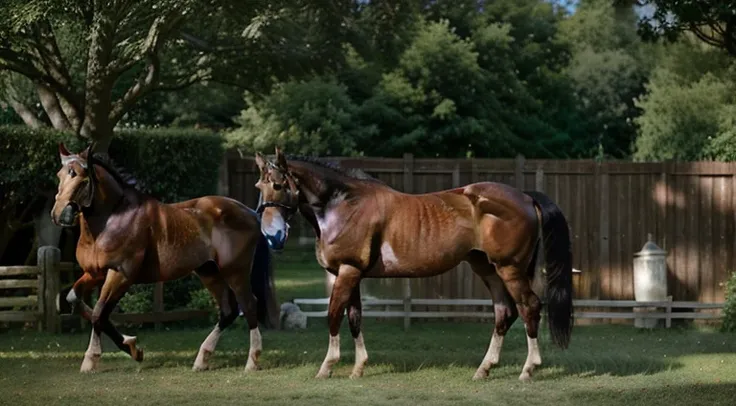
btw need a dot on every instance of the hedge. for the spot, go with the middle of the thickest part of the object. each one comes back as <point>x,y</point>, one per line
<point>173,164</point>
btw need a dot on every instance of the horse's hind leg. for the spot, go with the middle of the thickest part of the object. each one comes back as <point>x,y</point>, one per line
<point>239,282</point>
<point>228,312</point>
<point>504,309</point>
<point>355,316</point>
<point>518,284</point>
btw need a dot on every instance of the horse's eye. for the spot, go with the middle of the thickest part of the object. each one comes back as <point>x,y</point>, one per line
<point>277,186</point>
<point>72,173</point>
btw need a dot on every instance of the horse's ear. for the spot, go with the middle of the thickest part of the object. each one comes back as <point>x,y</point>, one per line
<point>281,159</point>
<point>261,162</point>
<point>92,176</point>
<point>63,152</point>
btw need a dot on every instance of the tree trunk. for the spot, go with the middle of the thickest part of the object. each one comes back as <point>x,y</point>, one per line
<point>53,109</point>
<point>25,114</point>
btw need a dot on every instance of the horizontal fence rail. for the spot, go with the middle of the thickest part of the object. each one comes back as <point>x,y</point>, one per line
<point>408,313</point>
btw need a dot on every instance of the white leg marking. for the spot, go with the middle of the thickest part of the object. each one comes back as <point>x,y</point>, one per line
<point>92,356</point>
<point>202,362</point>
<point>492,356</point>
<point>255,350</point>
<point>533,359</point>
<point>361,357</point>
<point>130,341</point>
<point>71,297</point>
<point>333,355</point>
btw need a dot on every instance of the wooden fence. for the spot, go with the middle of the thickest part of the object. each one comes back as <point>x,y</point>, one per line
<point>41,303</point>
<point>482,309</point>
<point>611,206</point>
<point>42,282</point>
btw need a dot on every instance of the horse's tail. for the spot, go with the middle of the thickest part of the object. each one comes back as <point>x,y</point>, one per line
<point>558,264</point>
<point>261,283</point>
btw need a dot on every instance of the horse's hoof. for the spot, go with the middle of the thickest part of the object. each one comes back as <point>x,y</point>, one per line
<point>200,367</point>
<point>480,375</point>
<point>251,368</point>
<point>323,374</point>
<point>356,375</point>
<point>90,364</point>
<point>139,355</point>
<point>525,377</point>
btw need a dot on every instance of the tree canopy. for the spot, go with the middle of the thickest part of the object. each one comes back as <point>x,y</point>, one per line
<point>449,78</point>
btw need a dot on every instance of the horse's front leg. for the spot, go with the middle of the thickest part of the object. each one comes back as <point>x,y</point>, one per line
<point>115,286</point>
<point>347,280</point>
<point>82,286</point>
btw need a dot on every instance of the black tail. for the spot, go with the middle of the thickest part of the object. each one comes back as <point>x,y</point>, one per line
<point>262,284</point>
<point>558,259</point>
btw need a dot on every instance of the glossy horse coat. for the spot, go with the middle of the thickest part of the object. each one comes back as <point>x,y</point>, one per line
<point>366,229</point>
<point>127,238</point>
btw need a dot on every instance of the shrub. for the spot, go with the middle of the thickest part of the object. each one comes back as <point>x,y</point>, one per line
<point>729,309</point>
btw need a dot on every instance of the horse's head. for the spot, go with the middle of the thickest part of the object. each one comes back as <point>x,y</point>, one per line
<point>77,185</point>
<point>279,198</point>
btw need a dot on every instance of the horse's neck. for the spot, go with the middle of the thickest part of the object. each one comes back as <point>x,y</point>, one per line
<point>109,197</point>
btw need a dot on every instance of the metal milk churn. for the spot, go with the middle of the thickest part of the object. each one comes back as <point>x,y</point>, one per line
<point>650,280</point>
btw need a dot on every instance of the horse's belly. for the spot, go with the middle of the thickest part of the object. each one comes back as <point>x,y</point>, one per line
<point>424,260</point>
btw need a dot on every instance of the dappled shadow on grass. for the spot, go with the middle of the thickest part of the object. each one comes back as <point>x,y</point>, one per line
<point>671,394</point>
<point>594,350</point>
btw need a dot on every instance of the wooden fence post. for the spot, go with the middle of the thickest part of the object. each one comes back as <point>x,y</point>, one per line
<point>519,172</point>
<point>223,178</point>
<point>49,260</point>
<point>408,188</point>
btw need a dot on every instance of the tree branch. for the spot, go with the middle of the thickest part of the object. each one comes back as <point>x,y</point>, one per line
<point>145,83</point>
<point>148,80</point>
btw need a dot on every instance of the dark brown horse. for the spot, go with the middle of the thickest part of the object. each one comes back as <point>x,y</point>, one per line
<point>128,237</point>
<point>365,229</point>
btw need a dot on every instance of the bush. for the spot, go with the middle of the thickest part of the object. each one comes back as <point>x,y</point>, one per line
<point>729,309</point>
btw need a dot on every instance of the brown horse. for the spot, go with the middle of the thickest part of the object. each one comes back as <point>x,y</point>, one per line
<point>128,237</point>
<point>365,229</point>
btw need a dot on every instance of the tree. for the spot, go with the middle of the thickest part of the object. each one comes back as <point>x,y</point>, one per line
<point>688,110</point>
<point>712,21</point>
<point>609,66</point>
<point>91,62</point>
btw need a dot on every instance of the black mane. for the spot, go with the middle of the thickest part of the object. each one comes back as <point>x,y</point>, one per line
<point>352,173</point>
<point>119,173</point>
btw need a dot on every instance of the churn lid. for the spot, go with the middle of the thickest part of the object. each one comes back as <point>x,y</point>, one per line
<point>650,248</point>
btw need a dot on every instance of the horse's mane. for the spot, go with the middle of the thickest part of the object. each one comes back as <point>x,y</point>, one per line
<point>353,173</point>
<point>119,173</point>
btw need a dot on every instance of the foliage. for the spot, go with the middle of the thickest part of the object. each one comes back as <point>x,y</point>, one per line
<point>201,299</point>
<point>312,117</point>
<point>712,21</point>
<point>185,163</point>
<point>729,308</point>
<point>608,68</point>
<point>688,108</point>
<point>91,63</point>
<point>139,299</point>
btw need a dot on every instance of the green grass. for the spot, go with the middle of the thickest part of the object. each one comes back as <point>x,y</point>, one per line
<point>431,364</point>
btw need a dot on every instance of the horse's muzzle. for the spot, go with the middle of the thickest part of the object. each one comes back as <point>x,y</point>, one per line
<point>69,215</point>
<point>276,242</point>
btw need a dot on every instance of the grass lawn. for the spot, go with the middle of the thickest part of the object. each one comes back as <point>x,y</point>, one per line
<point>431,364</point>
